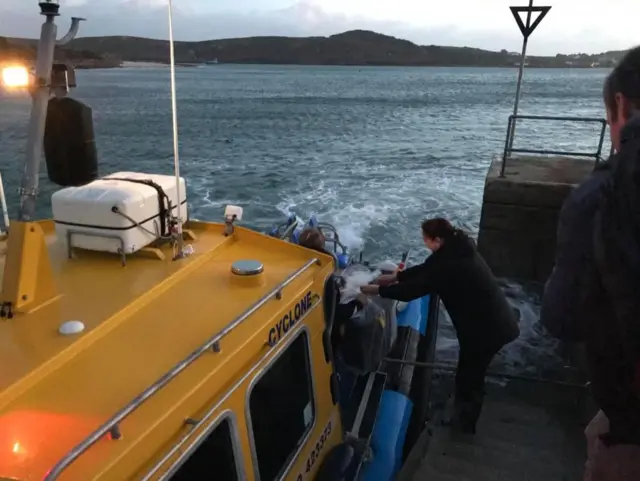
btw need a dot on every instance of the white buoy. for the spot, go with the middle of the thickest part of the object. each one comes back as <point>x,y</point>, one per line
<point>70,328</point>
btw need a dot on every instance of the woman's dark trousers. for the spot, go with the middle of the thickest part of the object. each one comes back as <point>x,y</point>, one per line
<point>473,363</point>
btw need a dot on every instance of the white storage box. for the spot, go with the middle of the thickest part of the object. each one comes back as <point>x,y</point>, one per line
<point>118,213</point>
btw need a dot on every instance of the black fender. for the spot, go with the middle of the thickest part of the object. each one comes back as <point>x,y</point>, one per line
<point>330,299</point>
<point>340,464</point>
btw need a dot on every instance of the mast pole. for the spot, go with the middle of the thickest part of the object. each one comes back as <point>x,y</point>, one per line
<point>40,95</point>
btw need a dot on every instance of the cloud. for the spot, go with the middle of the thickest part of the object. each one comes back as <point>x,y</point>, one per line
<point>148,18</point>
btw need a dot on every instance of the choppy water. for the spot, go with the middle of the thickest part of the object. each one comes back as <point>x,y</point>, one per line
<point>373,150</point>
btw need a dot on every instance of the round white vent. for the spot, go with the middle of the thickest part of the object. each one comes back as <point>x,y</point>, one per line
<point>70,328</point>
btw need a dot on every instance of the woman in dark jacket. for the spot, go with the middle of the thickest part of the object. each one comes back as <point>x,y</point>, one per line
<point>483,319</point>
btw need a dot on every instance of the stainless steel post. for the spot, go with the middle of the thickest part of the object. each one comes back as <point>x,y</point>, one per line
<point>40,94</point>
<point>523,56</point>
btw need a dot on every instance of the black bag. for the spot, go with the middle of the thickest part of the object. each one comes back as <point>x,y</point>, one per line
<point>363,342</point>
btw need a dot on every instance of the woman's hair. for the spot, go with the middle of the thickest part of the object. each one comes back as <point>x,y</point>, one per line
<point>439,228</point>
<point>312,238</point>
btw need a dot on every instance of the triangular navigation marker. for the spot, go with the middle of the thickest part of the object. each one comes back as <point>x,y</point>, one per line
<point>528,29</point>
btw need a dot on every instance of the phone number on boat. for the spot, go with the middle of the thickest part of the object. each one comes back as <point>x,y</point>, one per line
<point>315,454</point>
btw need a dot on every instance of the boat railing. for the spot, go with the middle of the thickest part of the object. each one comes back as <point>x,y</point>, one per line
<point>451,368</point>
<point>332,237</point>
<point>112,426</point>
<point>508,143</point>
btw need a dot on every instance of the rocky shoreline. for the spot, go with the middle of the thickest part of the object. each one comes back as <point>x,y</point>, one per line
<point>88,64</point>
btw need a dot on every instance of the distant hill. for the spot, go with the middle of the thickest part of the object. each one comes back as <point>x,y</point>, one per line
<point>24,50</point>
<point>356,47</point>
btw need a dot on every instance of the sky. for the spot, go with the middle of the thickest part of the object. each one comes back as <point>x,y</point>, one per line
<point>572,26</point>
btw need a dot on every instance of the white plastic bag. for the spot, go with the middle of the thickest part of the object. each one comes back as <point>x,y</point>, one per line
<point>354,279</point>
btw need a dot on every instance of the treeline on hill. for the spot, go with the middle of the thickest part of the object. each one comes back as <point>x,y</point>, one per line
<point>357,47</point>
<point>25,50</point>
<point>12,51</point>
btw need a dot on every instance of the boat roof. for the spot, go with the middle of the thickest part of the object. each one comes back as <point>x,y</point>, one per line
<point>141,320</point>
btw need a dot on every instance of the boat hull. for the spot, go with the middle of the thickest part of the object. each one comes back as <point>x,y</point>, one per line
<point>387,410</point>
<point>403,407</point>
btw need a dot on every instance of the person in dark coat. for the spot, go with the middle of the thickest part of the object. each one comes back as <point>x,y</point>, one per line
<point>481,315</point>
<point>579,302</point>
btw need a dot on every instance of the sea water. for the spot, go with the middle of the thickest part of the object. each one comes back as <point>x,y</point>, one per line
<point>371,150</point>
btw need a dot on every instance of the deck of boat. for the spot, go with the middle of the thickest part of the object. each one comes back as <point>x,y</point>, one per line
<point>527,432</point>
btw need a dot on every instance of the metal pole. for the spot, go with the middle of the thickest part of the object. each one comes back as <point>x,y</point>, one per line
<point>180,252</point>
<point>3,204</point>
<point>520,73</point>
<point>452,368</point>
<point>44,62</point>
<point>506,152</point>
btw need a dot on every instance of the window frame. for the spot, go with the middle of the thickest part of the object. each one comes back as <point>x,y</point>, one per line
<point>302,330</point>
<point>226,415</point>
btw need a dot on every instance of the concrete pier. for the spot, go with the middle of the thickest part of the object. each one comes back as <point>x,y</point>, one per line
<point>527,432</point>
<point>520,211</point>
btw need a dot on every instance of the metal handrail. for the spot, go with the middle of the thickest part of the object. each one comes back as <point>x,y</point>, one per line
<point>112,425</point>
<point>334,239</point>
<point>446,367</point>
<point>508,143</point>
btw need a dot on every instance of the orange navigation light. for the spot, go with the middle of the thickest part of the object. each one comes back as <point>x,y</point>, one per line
<point>32,441</point>
<point>15,76</point>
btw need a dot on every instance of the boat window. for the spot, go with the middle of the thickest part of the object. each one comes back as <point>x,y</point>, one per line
<point>282,409</point>
<point>214,458</point>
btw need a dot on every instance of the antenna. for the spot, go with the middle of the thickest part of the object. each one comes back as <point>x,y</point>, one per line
<point>176,153</point>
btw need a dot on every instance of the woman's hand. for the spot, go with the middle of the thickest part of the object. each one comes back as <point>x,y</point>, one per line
<point>362,299</point>
<point>370,290</point>
<point>386,279</point>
